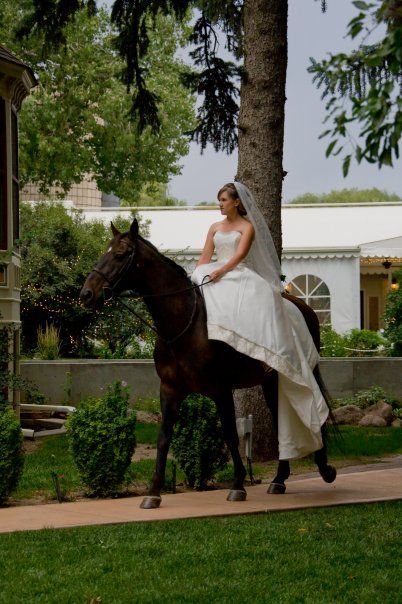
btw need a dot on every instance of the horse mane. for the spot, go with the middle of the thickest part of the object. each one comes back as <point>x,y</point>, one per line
<point>179,269</point>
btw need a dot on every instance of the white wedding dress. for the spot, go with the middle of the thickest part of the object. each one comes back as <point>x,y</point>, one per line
<point>244,311</point>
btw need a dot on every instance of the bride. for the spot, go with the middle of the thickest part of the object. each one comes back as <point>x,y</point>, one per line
<point>246,310</point>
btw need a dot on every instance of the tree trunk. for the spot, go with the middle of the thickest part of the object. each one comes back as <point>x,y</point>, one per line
<point>261,132</point>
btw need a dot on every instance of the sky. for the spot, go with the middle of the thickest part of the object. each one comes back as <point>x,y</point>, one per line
<point>311,34</point>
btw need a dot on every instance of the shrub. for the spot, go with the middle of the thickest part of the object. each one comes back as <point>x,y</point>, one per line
<point>365,398</point>
<point>332,343</point>
<point>102,440</point>
<point>11,453</point>
<point>48,347</point>
<point>355,343</point>
<point>360,340</point>
<point>198,444</point>
<point>393,317</point>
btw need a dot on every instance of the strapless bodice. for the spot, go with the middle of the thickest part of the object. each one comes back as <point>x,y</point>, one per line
<point>226,243</point>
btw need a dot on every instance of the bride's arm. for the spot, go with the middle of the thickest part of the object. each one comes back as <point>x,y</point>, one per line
<point>242,250</point>
<point>209,247</point>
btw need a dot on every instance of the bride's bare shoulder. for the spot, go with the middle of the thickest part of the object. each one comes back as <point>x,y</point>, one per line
<point>215,226</point>
<point>247,227</point>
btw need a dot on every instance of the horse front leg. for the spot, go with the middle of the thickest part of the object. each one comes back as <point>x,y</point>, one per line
<point>170,399</point>
<point>226,411</point>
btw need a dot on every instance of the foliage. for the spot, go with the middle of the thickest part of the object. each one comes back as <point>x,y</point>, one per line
<point>11,454</point>
<point>365,398</point>
<point>155,194</point>
<point>59,249</point>
<point>197,443</point>
<point>358,341</point>
<point>369,77</point>
<point>48,347</point>
<point>77,121</point>
<point>393,316</point>
<point>353,195</point>
<point>332,343</point>
<point>102,435</point>
<point>134,24</point>
<point>355,343</point>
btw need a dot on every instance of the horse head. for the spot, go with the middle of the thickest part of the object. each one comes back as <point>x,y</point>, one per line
<point>112,273</point>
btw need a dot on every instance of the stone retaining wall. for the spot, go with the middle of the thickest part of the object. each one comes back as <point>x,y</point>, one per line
<point>70,381</point>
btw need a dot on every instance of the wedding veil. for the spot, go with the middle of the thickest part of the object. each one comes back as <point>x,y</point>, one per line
<point>262,256</point>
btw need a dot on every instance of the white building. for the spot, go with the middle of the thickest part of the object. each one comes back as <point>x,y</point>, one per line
<point>338,257</point>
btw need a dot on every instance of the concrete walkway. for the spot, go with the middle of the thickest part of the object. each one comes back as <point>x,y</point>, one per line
<point>358,487</point>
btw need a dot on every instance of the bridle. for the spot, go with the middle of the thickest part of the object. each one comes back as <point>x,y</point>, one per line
<point>137,295</point>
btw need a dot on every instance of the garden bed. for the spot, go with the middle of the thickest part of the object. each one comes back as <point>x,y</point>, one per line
<point>51,454</point>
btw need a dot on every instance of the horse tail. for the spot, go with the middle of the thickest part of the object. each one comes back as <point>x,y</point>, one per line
<point>330,428</point>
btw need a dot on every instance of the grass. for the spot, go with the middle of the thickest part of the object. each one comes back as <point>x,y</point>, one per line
<point>348,554</point>
<point>365,442</point>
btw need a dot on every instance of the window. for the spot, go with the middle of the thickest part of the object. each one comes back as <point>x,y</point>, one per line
<point>3,177</point>
<point>15,175</point>
<point>315,293</point>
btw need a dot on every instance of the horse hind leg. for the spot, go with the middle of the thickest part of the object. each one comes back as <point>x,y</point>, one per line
<point>327,472</point>
<point>270,391</point>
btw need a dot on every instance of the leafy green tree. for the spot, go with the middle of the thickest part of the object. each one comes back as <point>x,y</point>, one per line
<point>77,121</point>
<point>155,194</point>
<point>393,316</point>
<point>347,196</point>
<point>369,79</point>
<point>59,249</point>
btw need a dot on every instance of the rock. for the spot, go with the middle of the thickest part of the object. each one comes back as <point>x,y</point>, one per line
<point>397,423</point>
<point>381,409</point>
<point>374,421</point>
<point>348,414</point>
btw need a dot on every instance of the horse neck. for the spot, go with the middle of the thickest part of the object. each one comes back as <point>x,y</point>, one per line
<point>168,312</point>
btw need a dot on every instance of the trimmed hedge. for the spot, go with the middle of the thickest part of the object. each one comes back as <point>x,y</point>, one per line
<point>198,444</point>
<point>102,440</point>
<point>11,453</point>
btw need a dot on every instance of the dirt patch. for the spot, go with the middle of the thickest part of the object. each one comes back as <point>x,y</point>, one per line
<point>30,446</point>
<point>148,417</point>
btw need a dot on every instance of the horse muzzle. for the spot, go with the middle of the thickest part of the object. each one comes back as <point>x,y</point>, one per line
<point>87,296</point>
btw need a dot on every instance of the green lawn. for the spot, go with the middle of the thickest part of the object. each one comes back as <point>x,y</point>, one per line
<point>347,554</point>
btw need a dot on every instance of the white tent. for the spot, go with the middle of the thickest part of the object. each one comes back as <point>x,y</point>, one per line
<point>333,243</point>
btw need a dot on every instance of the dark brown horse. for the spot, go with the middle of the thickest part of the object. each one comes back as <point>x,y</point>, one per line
<point>186,360</point>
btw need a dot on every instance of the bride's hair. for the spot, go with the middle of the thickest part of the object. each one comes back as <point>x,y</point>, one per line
<point>230,188</point>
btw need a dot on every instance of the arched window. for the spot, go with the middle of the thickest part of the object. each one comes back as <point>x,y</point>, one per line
<point>315,293</point>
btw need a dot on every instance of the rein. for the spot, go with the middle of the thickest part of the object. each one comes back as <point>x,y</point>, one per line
<point>137,296</point>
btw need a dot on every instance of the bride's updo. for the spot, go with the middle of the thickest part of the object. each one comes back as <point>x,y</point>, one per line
<point>231,190</point>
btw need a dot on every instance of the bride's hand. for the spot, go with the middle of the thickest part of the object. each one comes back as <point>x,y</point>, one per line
<point>216,275</point>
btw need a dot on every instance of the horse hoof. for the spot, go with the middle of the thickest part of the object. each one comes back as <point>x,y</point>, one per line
<point>150,502</point>
<point>329,475</point>
<point>276,488</point>
<point>236,495</point>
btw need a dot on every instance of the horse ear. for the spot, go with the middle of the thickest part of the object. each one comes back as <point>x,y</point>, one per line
<point>114,230</point>
<point>134,229</point>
